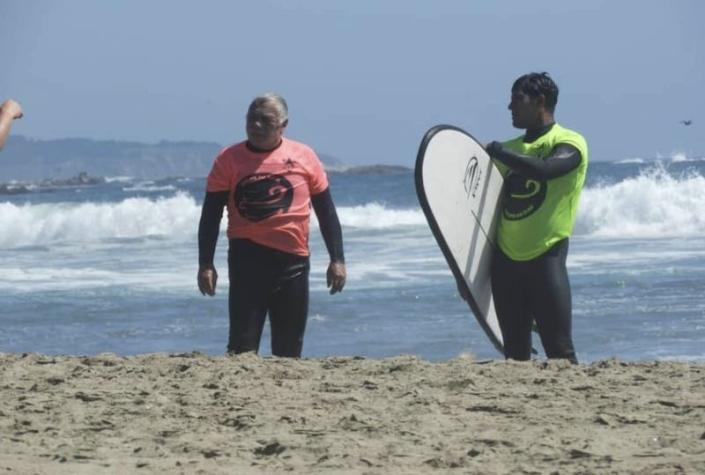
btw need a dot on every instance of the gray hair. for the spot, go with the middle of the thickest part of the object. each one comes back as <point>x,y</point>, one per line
<point>271,99</point>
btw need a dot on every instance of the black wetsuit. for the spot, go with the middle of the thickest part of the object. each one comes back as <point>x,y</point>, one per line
<point>538,289</point>
<point>265,280</point>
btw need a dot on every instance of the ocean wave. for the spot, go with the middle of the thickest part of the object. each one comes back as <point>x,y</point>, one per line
<point>378,216</point>
<point>41,224</point>
<point>174,217</point>
<point>653,204</point>
<point>675,157</point>
<point>628,161</point>
<point>148,188</point>
<point>118,179</point>
<point>656,203</point>
<point>678,157</point>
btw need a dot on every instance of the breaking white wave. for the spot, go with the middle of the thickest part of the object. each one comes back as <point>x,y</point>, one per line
<point>654,204</point>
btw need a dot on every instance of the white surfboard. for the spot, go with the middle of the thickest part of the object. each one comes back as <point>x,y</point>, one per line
<point>459,189</point>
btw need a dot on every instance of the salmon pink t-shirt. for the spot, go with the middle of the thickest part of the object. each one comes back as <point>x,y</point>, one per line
<point>269,193</point>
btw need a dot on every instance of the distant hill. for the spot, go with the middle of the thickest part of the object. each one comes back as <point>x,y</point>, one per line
<point>29,159</point>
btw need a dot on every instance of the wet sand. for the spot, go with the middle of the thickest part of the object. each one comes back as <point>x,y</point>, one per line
<point>192,413</point>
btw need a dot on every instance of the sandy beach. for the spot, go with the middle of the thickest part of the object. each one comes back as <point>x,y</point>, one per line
<point>191,413</point>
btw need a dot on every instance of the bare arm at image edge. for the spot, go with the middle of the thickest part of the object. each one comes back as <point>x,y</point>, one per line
<point>9,111</point>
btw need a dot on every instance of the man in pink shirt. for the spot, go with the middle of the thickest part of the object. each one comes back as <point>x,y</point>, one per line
<point>268,184</point>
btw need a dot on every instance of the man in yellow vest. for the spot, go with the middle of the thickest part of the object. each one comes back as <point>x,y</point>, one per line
<point>544,171</point>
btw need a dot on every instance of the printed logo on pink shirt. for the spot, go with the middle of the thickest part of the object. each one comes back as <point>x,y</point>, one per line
<point>262,195</point>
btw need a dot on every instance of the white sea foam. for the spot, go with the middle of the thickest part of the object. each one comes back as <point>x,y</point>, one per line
<point>149,188</point>
<point>653,204</point>
<point>377,216</point>
<point>38,278</point>
<point>118,179</point>
<point>175,217</point>
<point>40,224</point>
<point>678,157</point>
<point>627,161</point>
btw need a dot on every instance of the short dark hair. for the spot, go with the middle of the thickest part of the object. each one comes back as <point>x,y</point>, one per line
<point>536,84</point>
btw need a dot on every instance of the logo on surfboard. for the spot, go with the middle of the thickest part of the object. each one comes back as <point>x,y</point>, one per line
<point>471,179</point>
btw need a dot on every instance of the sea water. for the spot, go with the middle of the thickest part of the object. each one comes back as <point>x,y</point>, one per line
<point>112,267</point>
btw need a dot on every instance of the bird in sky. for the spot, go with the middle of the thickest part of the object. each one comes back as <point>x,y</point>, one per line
<point>686,122</point>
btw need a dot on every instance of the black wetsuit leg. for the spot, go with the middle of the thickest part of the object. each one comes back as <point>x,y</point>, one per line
<point>288,309</point>
<point>266,280</point>
<point>534,290</point>
<point>248,298</point>
<point>511,302</point>
<point>550,297</point>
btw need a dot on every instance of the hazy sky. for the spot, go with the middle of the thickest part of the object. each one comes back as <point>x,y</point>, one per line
<point>364,78</point>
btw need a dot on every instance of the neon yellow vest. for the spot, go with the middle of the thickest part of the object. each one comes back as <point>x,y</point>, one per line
<point>536,215</point>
